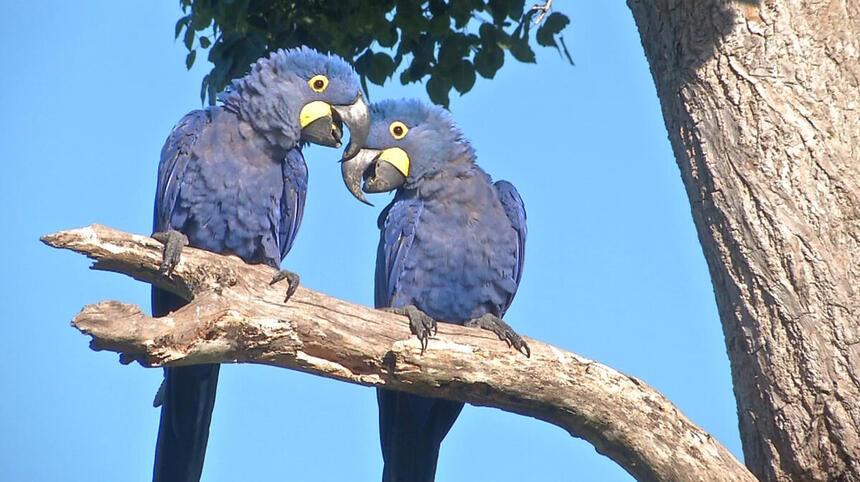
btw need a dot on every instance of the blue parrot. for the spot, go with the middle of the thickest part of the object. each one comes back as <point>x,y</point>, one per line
<point>451,249</point>
<point>232,179</point>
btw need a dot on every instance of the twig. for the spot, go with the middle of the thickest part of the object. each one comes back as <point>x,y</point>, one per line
<point>544,10</point>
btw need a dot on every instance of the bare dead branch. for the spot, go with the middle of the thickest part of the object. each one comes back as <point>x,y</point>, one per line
<point>544,10</point>
<point>235,317</point>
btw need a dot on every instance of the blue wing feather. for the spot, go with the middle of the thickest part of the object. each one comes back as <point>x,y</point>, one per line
<point>174,158</point>
<point>293,199</point>
<point>514,208</point>
<point>411,427</point>
<point>225,198</point>
<point>184,427</point>
<point>397,234</point>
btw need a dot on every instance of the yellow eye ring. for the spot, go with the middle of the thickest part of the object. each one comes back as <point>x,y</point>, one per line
<point>398,130</point>
<point>318,83</point>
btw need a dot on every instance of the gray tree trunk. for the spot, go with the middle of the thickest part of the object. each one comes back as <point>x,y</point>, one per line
<point>762,105</point>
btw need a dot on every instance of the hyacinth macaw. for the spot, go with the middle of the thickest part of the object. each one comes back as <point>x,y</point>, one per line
<point>451,249</point>
<point>232,179</point>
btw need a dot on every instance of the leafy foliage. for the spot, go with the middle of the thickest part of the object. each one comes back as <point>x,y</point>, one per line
<point>447,41</point>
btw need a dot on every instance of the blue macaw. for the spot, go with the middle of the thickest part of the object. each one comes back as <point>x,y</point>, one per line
<point>232,179</point>
<point>451,249</point>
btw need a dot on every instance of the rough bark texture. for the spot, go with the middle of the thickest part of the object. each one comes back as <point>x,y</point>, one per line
<point>235,316</point>
<point>762,105</point>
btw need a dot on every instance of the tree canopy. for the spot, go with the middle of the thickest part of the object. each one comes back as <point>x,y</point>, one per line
<point>448,42</point>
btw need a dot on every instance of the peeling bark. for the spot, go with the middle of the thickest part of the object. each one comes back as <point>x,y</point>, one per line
<point>761,101</point>
<point>234,316</point>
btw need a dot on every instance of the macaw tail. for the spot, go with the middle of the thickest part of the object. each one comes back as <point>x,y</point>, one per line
<point>411,429</point>
<point>187,398</point>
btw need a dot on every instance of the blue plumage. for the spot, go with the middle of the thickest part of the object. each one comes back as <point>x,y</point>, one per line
<point>225,189</point>
<point>233,180</point>
<point>452,244</point>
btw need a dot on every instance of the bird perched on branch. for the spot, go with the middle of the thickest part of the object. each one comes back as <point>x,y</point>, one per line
<point>451,250</point>
<point>232,179</point>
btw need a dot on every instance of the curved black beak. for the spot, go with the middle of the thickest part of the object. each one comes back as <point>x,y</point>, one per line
<point>353,169</point>
<point>325,131</point>
<point>356,116</point>
<point>378,169</point>
<point>382,177</point>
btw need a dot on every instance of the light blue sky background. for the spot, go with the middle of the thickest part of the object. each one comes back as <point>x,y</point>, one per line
<point>614,270</point>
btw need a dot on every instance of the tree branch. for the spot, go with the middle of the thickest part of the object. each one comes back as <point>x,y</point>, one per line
<point>234,316</point>
<point>544,9</point>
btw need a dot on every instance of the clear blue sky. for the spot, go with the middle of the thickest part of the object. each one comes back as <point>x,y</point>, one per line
<point>614,269</point>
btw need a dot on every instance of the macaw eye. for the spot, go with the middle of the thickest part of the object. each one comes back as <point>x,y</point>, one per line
<point>318,83</point>
<point>398,129</point>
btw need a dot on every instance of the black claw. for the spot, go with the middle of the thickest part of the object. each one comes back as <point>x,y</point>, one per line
<point>292,279</point>
<point>523,348</point>
<point>503,331</point>
<point>173,242</point>
<point>420,324</point>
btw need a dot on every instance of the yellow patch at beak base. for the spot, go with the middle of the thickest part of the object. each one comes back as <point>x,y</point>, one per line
<point>398,158</point>
<point>313,111</point>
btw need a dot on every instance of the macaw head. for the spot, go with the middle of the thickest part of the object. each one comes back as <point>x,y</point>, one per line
<point>301,95</point>
<point>408,141</point>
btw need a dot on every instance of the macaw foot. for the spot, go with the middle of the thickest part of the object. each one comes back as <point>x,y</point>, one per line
<point>173,242</point>
<point>499,327</point>
<point>292,279</point>
<point>420,323</point>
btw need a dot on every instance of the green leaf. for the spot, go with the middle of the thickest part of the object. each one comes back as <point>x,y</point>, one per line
<point>189,59</point>
<point>487,32</point>
<point>387,36</point>
<point>488,60</point>
<point>499,10</point>
<point>504,40</point>
<point>364,63</point>
<point>222,58</point>
<point>446,41</point>
<point>364,86</point>
<point>213,94</point>
<point>409,17</point>
<point>439,25</point>
<point>453,49</point>
<point>521,51</point>
<point>515,9</point>
<point>461,11</point>
<point>406,77</point>
<point>522,30</point>
<point>182,22</point>
<point>419,67</point>
<point>437,8</point>
<point>202,16</point>
<point>437,88</point>
<point>552,25</point>
<point>381,67</point>
<point>564,49</point>
<point>203,87</point>
<point>189,38</point>
<point>463,77</point>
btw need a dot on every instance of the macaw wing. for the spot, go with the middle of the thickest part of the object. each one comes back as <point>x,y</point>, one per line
<point>187,394</point>
<point>174,158</point>
<point>397,224</point>
<point>293,199</point>
<point>514,208</point>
